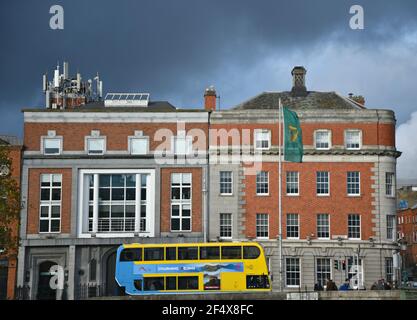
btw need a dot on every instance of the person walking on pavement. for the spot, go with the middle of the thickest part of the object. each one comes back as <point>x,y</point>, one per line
<point>345,286</point>
<point>330,285</point>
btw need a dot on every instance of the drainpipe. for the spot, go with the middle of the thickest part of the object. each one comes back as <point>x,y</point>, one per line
<point>206,182</point>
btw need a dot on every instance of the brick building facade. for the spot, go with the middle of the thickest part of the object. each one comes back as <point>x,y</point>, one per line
<point>96,176</point>
<point>338,205</point>
<point>407,231</point>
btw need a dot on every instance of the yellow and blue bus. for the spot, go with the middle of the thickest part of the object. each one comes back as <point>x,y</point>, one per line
<point>145,269</point>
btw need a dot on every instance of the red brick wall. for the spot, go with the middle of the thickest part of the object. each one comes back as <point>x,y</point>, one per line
<point>197,204</point>
<point>408,226</point>
<point>370,132</point>
<point>117,133</point>
<point>338,205</point>
<point>33,201</point>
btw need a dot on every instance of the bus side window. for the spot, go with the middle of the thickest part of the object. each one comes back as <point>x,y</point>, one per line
<point>231,252</point>
<point>251,252</point>
<point>187,253</point>
<point>187,283</point>
<point>171,283</point>
<point>209,253</point>
<point>131,254</point>
<point>170,253</point>
<point>153,254</point>
<point>153,283</point>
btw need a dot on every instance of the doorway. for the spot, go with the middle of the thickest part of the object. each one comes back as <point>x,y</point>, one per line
<point>45,292</point>
<point>3,279</point>
<point>112,288</point>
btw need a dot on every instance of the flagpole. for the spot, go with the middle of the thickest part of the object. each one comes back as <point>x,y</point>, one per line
<point>280,197</point>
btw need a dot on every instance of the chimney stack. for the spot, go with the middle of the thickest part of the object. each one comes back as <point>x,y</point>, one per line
<point>210,99</point>
<point>299,81</point>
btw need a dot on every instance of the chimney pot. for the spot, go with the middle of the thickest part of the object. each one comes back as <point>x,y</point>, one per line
<point>210,99</point>
<point>298,81</point>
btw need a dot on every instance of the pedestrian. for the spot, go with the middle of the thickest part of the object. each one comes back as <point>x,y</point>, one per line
<point>330,285</point>
<point>345,286</point>
<point>318,287</point>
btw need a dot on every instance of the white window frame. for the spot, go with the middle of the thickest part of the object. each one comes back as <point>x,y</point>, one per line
<point>43,144</point>
<point>390,217</point>
<point>328,226</point>
<point>226,226</point>
<point>391,194</point>
<point>49,203</point>
<point>226,182</point>
<point>360,226</point>
<point>328,185</point>
<point>267,182</point>
<point>256,225</point>
<point>351,183</point>
<point>83,190</point>
<point>299,272</point>
<point>130,144</point>
<point>181,202</point>
<point>188,140</point>
<point>87,149</point>
<point>255,139</point>
<point>291,182</point>
<point>287,225</point>
<point>329,139</point>
<point>360,139</point>
<point>317,271</point>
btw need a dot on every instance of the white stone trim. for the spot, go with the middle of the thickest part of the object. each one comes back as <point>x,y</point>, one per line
<point>115,117</point>
<point>150,224</point>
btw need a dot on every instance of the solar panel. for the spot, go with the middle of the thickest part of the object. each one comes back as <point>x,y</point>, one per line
<point>126,99</point>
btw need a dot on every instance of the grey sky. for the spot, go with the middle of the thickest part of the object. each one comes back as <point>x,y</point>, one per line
<point>175,48</point>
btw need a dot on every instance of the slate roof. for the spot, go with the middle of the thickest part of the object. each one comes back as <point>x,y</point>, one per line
<point>10,140</point>
<point>313,100</point>
<point>153,106</point>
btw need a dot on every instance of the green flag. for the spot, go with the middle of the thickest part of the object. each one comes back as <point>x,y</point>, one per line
<point>293,139</point>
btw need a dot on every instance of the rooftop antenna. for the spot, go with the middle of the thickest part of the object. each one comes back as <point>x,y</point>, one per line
<point>56,77</point>
<point>65,70</point>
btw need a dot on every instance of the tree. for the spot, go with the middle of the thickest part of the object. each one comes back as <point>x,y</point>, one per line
<point>9,203</point>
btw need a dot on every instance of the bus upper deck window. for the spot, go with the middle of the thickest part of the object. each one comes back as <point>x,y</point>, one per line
<point>131,254</point>
<point>187,253</point>
<point>209,253</point>
<point>251,252</point>
<point>153,254</point>
<point>171,253</point>
<point>231,252</point>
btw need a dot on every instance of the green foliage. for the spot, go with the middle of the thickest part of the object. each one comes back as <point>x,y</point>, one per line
<point>9,205</point>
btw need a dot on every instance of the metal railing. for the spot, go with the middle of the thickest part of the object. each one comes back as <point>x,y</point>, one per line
<point>22,293</point>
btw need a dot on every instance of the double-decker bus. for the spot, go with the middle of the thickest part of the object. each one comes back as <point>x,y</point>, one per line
<point>144,269</point>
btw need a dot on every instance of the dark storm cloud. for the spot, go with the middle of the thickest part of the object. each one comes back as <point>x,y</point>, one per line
<point>175,48</point>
